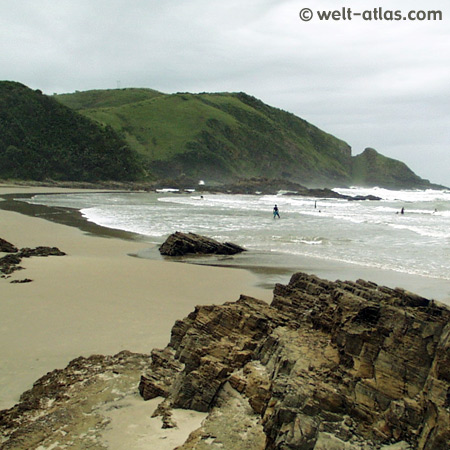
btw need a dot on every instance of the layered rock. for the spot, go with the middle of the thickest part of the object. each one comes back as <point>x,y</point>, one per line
<point>327,365</point>
<point>179,244</point>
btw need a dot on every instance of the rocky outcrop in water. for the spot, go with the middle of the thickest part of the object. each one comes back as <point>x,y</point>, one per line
<point>267,186</point>
<point>179,244</point>
<point>328,193</point>
<point>328,365</point>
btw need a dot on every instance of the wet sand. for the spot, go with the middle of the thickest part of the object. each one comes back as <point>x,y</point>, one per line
<point>101,299</point>
<point>96,300</point>
<point>270,268</point>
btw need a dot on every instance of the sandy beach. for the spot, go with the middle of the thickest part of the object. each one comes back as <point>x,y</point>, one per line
<point>101,299</point>
<point>96,300</point>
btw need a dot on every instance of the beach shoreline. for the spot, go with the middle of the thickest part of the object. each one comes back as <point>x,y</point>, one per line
<point>112,254</point>
<point>97,299</point>
<point>114,292</point>
<point>269,267</point>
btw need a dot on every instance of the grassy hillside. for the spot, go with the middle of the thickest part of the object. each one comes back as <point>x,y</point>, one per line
<point>217,137</point>
<point>106,98</point>
<point>40,139</point>
<point>373,169</point>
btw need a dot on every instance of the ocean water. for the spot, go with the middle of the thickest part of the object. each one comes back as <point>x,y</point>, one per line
<point>369,234</point>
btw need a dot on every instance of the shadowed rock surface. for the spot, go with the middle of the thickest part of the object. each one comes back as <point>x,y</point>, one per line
<point>337,365</point>
<point>327,366</point>
<point>179,244</point>
<point>7,247</point>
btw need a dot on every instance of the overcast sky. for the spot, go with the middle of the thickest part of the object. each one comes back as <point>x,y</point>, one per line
<point>379,83</point>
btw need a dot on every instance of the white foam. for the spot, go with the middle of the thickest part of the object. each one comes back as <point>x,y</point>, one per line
<point>367,233</point>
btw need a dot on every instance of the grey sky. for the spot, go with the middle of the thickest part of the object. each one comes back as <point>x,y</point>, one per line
<point>382,84</point>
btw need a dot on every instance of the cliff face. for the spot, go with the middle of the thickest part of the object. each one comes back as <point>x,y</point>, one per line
<point>327,365</point>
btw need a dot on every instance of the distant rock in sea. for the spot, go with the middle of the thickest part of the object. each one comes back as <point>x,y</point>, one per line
<point>179,244</point>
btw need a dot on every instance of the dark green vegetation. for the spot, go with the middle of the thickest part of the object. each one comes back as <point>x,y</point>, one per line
<point>216,137</point>
<point>142,134</point>
<point>223,137</point>
<point>42,139</point>
<point>371,168</point>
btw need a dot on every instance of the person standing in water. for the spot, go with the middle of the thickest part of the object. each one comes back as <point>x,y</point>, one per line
<point>276,213</point>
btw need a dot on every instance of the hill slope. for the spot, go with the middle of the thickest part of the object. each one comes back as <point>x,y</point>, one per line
<point>125,133</point>
<point>40,139</point>
<point>373,169</point>
<point>218,137</point>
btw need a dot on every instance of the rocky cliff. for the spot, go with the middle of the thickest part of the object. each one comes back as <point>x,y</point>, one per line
<point>327,365</point>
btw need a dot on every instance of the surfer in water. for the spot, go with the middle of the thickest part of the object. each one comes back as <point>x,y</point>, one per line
<point>276,213</point>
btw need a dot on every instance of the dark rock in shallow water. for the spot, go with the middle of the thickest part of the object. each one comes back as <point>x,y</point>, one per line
<point>364,197</point>
<point>10,263</point>
<point>6,247</point>
<point>179,244</point>
<point>327,365</point>
<point>25,280</point>
<point>328,193</point>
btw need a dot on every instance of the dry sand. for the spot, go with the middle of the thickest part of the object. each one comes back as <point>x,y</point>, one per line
<point>100,300</point>
<point>96,300</point>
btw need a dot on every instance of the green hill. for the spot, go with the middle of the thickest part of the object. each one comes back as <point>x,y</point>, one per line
<point>42,139</point>
<point>370,168</point>
<point>217,137</point>
<point>139,134</point>
<point>106,98</point>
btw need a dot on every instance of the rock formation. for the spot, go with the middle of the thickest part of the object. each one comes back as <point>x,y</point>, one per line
<point>7,247</point>
<point>267,186</point>
<point>68,408</point>
<point>328,365</point>
<point>179,244</point>
<point>10,263</point>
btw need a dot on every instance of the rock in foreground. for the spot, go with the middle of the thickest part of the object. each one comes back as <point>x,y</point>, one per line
<point>69,408</point>
<point>336,365</point>
<point>326,366</point>
<point>179,244</point>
